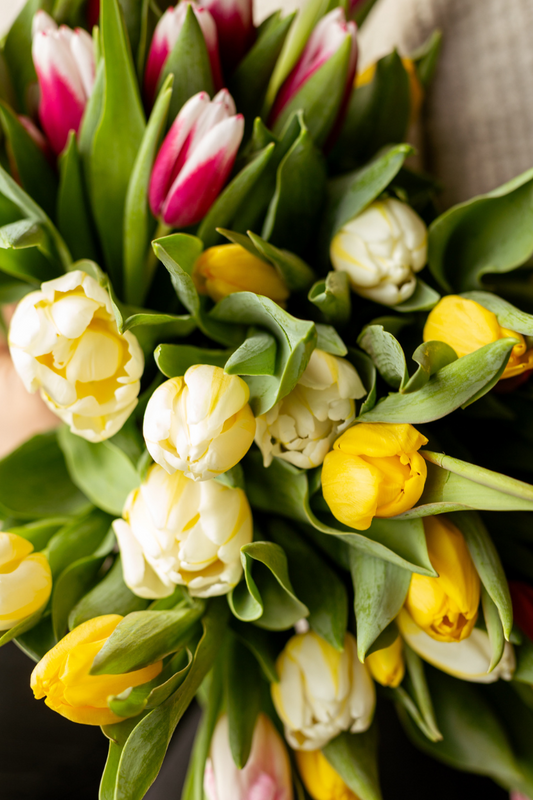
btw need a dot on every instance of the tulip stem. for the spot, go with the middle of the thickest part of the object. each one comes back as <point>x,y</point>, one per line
<point>151,259</point>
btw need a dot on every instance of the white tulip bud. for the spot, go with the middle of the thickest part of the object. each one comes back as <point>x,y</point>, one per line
<point>200,424</point>
<point>302,427</point>
<point>176,531</point>
<point>64,341</point>
<point>381,249</point>
<point>322,692</point>
<point>468,659</point>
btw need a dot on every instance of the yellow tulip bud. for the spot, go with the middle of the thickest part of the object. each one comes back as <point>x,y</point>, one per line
<point>445,607</point>
<point>25,580</point>
<point>466,326</point>
<point>387,666</point>
<point>63,678</point>
<point>416,90</point>
<point>230,268</point>
<point>374,470</point>
<point>320,779</point>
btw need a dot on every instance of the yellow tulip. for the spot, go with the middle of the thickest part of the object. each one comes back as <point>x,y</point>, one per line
<point>25,580</point>
<point>466,326</point>
<point>374,470</point>
<point>387,666</point>
<point>446,607</point>
<point>416,90</point>
<point>320,779</point>
<point>230,268</point>
<point>63,678</point>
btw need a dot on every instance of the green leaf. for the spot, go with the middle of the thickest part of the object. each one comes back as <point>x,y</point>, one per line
<point>73,214</point>
<point>295,272</point>
<point>386,353</point>
<point>426,58</point>
<point>295,342</point>
<point>69,588</point>
<point>368,374</point>
<point>267,598</point>
<point>144,637</point>
<point>138,221</point>
<point>456,385</point>
<point>418,703</point>
<point>173,360</point>
<point>332,297</point>
<point>102,471</point>
<point>431,357</point>
<point>40,532</point>
<point>316,584</point>
<point>354,757</point>
<point>110,596</point>
<point>263,646</point>
<point>524,662</point>
<point>34,481</point>
<point>424,298</point>
<point>255,356</point>
<point>508,315</point>
<point>189,63</point>
<point>17,51</point>
<point>380,591</point>
<point>242,680</point>
<point>83,536</point>
<point>11,289</point>
<point>117,139</point>
<point>329,340</point>
<point>38,640</point>
<point>22,627</point>
<point>494,628</point>
<point>492,233</point>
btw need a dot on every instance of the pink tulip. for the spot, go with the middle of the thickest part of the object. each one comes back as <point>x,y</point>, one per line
<point>165,37</point>
<point>266,776</point>
<point>235,26</point>
<point>326,39</point>
<point>65,66</point>
<point>195,159</point>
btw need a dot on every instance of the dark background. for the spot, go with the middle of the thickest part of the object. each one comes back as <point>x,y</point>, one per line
<point>45,757</point>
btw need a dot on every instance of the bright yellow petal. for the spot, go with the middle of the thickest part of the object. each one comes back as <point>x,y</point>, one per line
<point>350,486</point>
<point>387,666</point>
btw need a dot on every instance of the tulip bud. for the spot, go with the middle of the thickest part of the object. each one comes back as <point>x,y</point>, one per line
<point>387,665</point>
<point>166,35</point>
<point>321,692</point>
<point>374,470</point>
<point>326,39</point>
<point>302,427</point>
<point>195,159</point>
<point>235,26</point>
<point>176,531</point>
<point>230,268</point>
<point>522,597</point>
<point>65,66</point>
<point>381,249</point>
<point>320,779</point>
<point>266,775</point>
<point>65,342</point>
<point>200,424</point>
<point>25,580</point>
<point>446,607</point>
<point>62,675</point>
<point>468,659</point>
<point>466,326</point>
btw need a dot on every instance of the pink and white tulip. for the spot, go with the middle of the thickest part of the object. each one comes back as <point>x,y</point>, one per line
<point>235,26</point>
<point>165,37</point>
<point>266,776</point>
<point>327,37</point>
<point>65,66</point>
<point>195,159</point>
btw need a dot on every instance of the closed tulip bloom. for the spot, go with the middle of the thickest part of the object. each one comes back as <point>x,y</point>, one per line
<point>468,659</point>
<point>230,268</point>
<point>302,427</point>
<point>200,424</point>
<point>374,470</point>
<point>176,531</point>
<point>235,26</point>
<point>466,326</point>
<point>266,775</point>
<point>446,607</point>
<point>321,692</point>
<point>320,779</point>
<point>25,580</point>
<point>195,159</point>
<point>62,675</point>
<point>64,342</point>
<point>166,35</point>
<point>381,249</point>
<point>387,666</point>
<point>522,597</point>
<point>326,39</point>
<point>65,66</point>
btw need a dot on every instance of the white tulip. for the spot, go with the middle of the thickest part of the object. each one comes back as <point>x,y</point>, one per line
<point>64,342</point>
<point>468,660</point>
<point>200,424</point>
<point>381,249</point>
<point>302,427</point>
<point>176,531</point>
<point>322,692</point>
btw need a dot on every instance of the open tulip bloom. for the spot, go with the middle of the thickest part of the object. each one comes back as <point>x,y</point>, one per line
<point>274,370</point>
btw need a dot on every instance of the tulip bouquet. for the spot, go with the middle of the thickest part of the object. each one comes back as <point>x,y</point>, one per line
<point>291,477</point>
